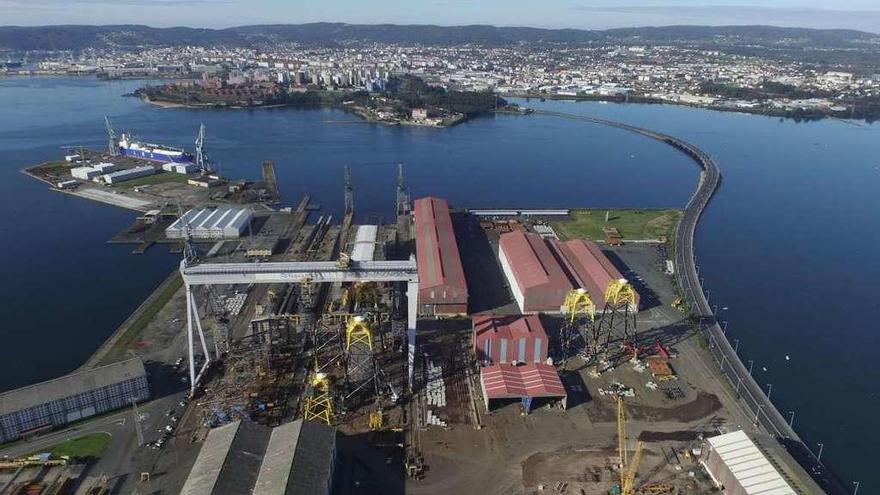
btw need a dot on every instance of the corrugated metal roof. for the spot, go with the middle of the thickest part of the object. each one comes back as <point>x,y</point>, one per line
<point>509,327</point>
<point>587,267</point>
<point>505,381</point>
<point>69,385</point>
<point>437,253</point>
<point>204,473</point>
<point>364,247</point>
<point>532,262</point>
<point>755,473</point>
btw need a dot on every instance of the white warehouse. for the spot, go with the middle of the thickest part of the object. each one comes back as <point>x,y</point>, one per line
<point>128,174</point>
<point>212,223</point>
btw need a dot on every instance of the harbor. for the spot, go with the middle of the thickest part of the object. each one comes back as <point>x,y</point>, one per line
<point>279,345</point>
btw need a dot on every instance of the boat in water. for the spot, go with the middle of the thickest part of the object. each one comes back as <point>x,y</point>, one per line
<point>149,151</point>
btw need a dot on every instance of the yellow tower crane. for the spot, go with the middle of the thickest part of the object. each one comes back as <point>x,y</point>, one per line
<point>319,404</point>
<point>628,469</point>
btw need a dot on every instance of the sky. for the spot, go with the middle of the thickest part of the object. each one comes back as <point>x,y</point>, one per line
<point>582,14</point>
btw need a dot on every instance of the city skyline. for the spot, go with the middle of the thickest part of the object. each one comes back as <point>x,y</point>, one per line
<point>849,14</point>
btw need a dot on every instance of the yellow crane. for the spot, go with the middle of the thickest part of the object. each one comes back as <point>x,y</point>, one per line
<point>628,468</point>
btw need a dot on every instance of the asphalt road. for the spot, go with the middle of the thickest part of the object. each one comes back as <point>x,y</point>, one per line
<point>766,416</point>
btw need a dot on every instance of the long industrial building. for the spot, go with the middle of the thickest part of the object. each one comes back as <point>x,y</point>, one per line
<point>41,407</point>
<point>507,339</point>
<point>737,466</point>
<point>541,272</point>
<point>442,286</point>
<point>212,223</point>
<point>243,458</point>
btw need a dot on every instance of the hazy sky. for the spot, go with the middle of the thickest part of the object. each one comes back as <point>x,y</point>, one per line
<point>585,14</point>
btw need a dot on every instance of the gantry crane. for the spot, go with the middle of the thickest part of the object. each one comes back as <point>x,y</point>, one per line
<point>628,468</point>
<point>580,311</point>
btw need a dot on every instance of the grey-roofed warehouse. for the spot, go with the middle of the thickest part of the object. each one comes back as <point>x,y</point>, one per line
<point>243,458</point>
<point>71,397</point>
<point>206,223</point>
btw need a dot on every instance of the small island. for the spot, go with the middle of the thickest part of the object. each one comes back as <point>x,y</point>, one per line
<point>397,100</point>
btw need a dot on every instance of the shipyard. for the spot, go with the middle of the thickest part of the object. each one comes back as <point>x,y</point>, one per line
<point>452,349</point>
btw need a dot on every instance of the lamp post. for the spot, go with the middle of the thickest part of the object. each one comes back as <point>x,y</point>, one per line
<point>736,345</point>
<point>751,363</point>
<point>791,419</point>
<point>769,390</point>
<point>821,448</point>
<point>856,491</point>
<point>724,327</point>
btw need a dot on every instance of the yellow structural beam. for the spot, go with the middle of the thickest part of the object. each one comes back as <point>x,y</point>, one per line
<point>620,292</point>
<point>578,302</point>
<point>319,405</point>
<point>358,331</point>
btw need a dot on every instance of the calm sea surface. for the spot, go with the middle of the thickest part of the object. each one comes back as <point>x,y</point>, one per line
<point>789,246</point>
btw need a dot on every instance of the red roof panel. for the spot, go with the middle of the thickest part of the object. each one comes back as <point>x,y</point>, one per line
<point>505,381</point>
<point>532,262</point>
<point>439,261</point>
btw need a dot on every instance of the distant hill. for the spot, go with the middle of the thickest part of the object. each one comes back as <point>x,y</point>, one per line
<point>135,36</point>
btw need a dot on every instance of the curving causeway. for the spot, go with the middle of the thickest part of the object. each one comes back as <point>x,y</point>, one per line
<point>748,392</point>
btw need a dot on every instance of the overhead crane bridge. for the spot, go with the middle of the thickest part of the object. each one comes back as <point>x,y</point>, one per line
<point>208,274</point>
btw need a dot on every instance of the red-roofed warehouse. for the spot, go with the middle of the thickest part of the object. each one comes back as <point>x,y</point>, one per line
<point>525,382</point>
<point>442,286</point>
<point>541,272</point>
<point>504,339</point>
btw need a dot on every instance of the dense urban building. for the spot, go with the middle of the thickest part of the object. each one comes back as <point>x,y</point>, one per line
<point>41,407</point>
<point>443,289</point>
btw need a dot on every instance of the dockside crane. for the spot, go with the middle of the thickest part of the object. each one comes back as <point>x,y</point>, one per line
<point>112,143</point>
<point>201,156</point>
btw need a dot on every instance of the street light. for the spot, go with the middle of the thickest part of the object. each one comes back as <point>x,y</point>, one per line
<point>769,390</point>
<point>736,345</point>
<point>791,419</point>
<point>758,413</point>
<point>724,326</point>
<point>821,448</point>
<point>751,363</point>
<point>856,491</point>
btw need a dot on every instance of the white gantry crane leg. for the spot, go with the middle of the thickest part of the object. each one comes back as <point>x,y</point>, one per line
<point>192,315</point>
<point>412,308</point>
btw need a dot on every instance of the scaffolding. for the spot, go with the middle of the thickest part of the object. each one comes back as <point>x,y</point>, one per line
<point>618,319</point>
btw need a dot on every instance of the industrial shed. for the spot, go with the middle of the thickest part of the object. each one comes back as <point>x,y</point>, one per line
<point>208,223</point>
<point>72,397</point>
<point>505,339</point>
<point>442,285</point>
<point>588,268</point>
<point>542,271</point>
<point>525,382</point>
<point>535,276</point>
<point>738,467</point>
<point>244,458</point>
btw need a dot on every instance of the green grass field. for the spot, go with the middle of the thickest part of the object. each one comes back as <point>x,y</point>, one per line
<point>160,178</point>
<point>92,446</point>
<point>631,223</point>
<point>137,326</point>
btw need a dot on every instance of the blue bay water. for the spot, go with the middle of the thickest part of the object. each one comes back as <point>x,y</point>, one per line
<point>789,244</point>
